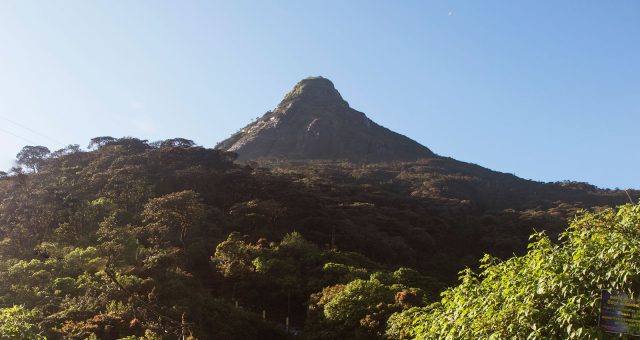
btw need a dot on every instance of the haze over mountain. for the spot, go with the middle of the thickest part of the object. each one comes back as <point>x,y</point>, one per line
<point>313,121</point>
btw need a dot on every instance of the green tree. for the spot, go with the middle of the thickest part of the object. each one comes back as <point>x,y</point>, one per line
<point>177,143</point>
<point>68,150</point>
<point>99,142</point>
<point>359,300</point>
<point>552,292</point>
<point>32,157</point>
<point>171,218</point>
<point>233,257</point>
<point>18,323</point>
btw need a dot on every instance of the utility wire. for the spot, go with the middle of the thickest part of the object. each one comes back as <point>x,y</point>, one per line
<point>18,136</point>
<point>32,131</point>
<point>630,199</point>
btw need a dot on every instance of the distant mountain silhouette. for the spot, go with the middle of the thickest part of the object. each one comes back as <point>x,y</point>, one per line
<point>313,122</point>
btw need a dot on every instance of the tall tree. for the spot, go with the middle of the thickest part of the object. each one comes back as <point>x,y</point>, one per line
<point>177,143</point>
<point>170,218</point>
<point>99,142</point>
<point>32,157</point>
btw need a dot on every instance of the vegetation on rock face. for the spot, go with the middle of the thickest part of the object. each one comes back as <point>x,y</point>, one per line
<point>158,240</point>
<point>552,292</point>
<point>314,122</point>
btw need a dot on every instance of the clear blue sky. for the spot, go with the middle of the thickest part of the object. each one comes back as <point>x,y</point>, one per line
<point>548,90</point>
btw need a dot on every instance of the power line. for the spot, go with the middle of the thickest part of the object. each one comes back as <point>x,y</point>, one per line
<point>18,136</point>
<point>32,131</point>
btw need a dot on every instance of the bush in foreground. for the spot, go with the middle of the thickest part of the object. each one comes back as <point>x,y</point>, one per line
<point>553,291</point>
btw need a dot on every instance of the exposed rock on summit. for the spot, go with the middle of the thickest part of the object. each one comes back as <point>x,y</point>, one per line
<point>314,122</point>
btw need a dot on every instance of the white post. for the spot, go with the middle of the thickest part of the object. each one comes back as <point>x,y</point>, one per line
<point>287,325</point>
<point>264,315</point>
<point>288,308</point>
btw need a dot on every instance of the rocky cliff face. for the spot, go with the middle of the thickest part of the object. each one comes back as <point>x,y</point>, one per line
<point>314,122</point>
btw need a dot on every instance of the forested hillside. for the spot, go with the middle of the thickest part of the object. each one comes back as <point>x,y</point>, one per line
<point>158,240</point>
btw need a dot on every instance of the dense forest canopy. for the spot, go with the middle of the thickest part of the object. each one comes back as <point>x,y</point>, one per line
<point>157,240</point>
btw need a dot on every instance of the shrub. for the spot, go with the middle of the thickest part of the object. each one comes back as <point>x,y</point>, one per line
<point>551,292</point>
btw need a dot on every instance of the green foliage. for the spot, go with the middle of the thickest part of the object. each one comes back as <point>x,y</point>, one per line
<point>551,292</point>
<point>233,257</point>
<point>18,323</point>
<point>343,273</point>
<point>349,298</point>
<point>32,157</point>
<point>170,219</point>
<point>360,308</point>
<point>117,242</point>
<point>351,304</point>
<point>113,244</point>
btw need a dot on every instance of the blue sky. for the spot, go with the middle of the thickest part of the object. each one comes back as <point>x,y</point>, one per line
<point>547,90</point>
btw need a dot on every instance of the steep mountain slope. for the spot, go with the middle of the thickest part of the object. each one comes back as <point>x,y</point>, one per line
<point>315,136</point>
<point>314,122</point>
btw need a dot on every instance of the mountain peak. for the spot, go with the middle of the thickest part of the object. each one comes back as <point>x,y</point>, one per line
<point>314,122</point>
<point>316,90</point>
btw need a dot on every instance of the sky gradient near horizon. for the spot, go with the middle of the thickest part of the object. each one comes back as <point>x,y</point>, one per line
<point>546,90</point>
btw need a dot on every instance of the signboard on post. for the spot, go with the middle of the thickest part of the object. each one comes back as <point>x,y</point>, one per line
<point>619,313</point>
